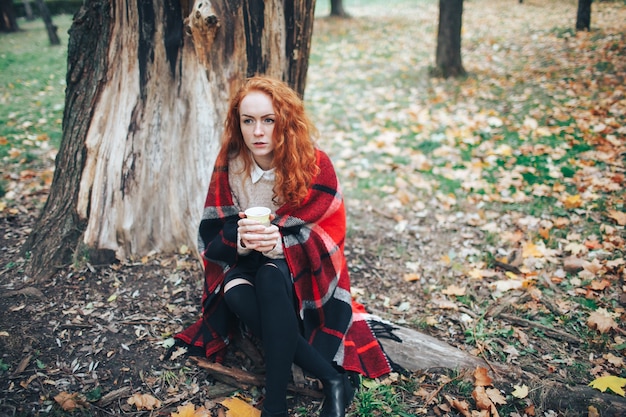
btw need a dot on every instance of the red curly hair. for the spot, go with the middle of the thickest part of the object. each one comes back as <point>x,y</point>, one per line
<point>295,160</point>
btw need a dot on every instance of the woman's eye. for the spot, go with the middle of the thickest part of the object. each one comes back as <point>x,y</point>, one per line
<point>269,121</point>
<point>247,121</point>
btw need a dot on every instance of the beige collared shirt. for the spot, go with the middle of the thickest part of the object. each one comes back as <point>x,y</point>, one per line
<point>250,191</point>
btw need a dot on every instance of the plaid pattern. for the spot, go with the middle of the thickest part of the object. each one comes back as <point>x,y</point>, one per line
<point>313,240</point>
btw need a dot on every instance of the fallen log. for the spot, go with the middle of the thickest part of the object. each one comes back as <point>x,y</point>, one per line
<point>577,400</point>
<point>419,351</point>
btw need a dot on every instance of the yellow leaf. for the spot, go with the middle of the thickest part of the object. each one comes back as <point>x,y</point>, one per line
<point>572,201</point>
<point>475,273</point>
<point>520,392</point>
<point>239,408</point>
<point>144,401</point>
<point>530,249</point>
<point>614,383</point>
<point>189,410</point>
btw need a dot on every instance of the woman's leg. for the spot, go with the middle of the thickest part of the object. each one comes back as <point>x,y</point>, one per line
<point>267,308</point>
<point>280,332</point>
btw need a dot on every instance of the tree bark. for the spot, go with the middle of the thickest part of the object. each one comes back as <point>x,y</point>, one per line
<point>8,18</point>
<point>583,15</point>
<point>337,9</point>
<point>448,57</point>
<point>50,27</point>
<point>145,105</point>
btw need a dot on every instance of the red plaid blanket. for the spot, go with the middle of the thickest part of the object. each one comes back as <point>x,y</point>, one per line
<point>313,239</point>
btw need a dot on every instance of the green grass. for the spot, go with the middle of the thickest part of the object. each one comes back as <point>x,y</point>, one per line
<point>32,91</point>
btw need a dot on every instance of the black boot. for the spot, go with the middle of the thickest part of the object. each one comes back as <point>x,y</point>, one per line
<point>348,390</point>
<point>335,400</point>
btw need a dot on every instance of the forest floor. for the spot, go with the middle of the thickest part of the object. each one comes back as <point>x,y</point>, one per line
<point>486,212</point>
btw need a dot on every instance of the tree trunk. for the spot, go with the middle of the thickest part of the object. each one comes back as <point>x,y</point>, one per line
<point>144,111</point>
<point>448,58</point>
<point>583,16</point>
<point>8,19</point>
<point>28,10</point>
<point>336,9</point>
<point>50,27</point>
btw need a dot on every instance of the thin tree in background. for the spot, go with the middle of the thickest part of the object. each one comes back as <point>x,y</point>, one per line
<point>8,18</point>
<point>28,10</point>
<point>337,9</point>
<point>47,19</point>
<point>583,16</point>
<point>448,57</point>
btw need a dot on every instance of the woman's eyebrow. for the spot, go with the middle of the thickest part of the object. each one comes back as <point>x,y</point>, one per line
<point>263,115</point>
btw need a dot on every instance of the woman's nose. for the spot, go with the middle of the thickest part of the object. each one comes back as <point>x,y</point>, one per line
<point>258,129</point>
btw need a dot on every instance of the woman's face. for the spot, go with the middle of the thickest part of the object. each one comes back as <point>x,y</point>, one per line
<point>257,119</point>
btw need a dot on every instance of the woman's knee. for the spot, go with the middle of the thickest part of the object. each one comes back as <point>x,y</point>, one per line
<point>270,280</point>
<point>234,291</point>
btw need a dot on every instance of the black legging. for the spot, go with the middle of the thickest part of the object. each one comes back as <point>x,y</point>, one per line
<point>267,308</point>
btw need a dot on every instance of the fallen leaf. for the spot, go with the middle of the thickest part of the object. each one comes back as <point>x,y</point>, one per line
<point>144,401</point>
<point>618,216</point>
<point>616,361</point>
<point>599,285</point>
<point>530,249</point>
<point>411,277</point>
<point>601,320</point>
<point>503,286</point>
<point>460,406</point>
<point>240,408</point>
<point>67,401</point>
<point>614,383</point>
<point>482,378</point>
<point>520,392</point>
<point>189,410</point>
<point>495,396</point>
<point>181,350</point>
<point>483,402</point>
<point>454,290</point>
<point>573,201</point>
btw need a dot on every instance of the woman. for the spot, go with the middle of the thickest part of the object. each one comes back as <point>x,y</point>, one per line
<point>287,281</point>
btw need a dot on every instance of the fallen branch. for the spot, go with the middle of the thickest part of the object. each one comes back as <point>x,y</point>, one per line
<point>550,332</point>
<point>242,379</point>
<point>114,396</point>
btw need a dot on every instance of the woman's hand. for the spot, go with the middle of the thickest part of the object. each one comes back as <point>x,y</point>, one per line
<point>257,236</point>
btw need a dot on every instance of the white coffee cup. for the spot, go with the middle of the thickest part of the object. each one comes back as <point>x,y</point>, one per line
<point>260,214</point>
